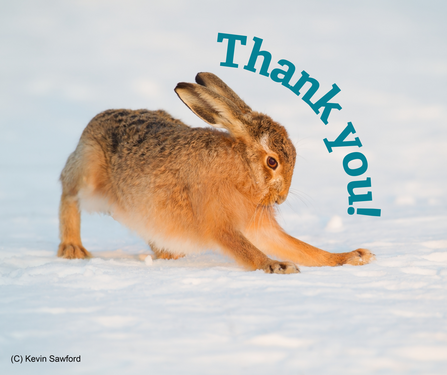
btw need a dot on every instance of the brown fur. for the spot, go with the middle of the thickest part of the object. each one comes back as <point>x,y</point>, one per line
<point>188,189</point>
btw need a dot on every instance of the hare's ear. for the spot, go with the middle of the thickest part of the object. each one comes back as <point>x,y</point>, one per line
<point>212,108</point>
<point>214,83</point>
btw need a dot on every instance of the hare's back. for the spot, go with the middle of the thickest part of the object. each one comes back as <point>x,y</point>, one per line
<point>132,146</point>
<point>116,151</point>
<point>125,131</point>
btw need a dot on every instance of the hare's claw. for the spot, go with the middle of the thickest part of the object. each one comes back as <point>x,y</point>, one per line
<point>281,267</point>
<point>359,257</point>
<point>72,251</point>
<point>163,254</point>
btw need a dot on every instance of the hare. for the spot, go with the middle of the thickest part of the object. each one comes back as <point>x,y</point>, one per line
<point>186,189</point>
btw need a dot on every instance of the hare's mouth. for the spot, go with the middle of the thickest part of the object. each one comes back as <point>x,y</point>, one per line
<point>271,198</point>
<point>276,193</point>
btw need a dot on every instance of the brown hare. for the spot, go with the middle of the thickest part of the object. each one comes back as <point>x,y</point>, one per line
<point>183,189</point>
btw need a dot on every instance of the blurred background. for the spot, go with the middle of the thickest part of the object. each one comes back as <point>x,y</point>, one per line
<point>64,62</point>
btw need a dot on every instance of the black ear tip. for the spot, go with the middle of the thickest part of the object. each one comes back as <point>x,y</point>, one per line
<point>199,79</point>
<point>181,85</point>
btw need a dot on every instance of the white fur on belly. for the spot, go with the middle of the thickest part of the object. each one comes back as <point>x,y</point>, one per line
<point>145,227</point>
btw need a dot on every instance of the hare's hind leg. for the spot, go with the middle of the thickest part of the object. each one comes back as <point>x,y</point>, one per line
<point>69,213</point>
<point>164,254</point>
<point>70,229</point>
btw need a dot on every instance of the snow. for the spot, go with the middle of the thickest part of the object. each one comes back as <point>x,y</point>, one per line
<point>122,311</point>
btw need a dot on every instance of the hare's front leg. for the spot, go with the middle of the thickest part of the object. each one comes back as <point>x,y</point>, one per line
<point>272,240</point>
<point>244,252</point>
<point>304,254</point>
<point>70,229</point>
<point>281,245</point>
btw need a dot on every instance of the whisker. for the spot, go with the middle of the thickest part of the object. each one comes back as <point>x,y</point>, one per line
<point>303,197</point>
<point>278,210</point>
<point>253,218</point>
<point>270,213</point>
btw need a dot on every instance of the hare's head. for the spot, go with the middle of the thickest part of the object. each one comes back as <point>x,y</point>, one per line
<point>268,149</point>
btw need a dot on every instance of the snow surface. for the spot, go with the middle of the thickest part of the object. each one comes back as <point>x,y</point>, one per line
<point>63,62</point>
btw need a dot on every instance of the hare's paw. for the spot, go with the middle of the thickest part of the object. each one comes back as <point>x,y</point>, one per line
<point>163,254</point>
<point>359,257</point>
<point>281,267</point>
<point>72,251</point>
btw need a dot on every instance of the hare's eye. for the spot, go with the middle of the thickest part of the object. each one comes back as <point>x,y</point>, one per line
<point>271,162</point>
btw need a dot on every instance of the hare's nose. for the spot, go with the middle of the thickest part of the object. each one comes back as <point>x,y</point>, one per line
<point>281,198</point>
<point>282,194</point>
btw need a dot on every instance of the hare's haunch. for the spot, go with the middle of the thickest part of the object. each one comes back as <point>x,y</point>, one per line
<point>186,189</point>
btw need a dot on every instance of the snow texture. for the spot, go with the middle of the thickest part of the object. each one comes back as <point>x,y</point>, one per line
<point>122,312</point>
